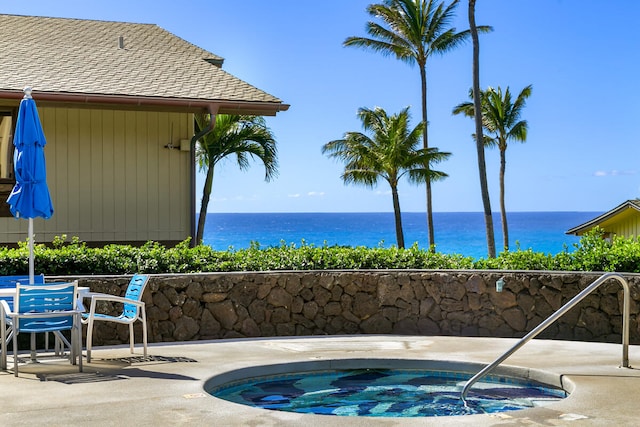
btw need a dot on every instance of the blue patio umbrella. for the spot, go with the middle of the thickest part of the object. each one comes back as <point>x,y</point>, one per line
<point>30,196</point>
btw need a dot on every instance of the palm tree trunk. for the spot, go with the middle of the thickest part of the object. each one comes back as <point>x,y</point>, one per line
<point>206,195</point>
<point>503,210</point>
<point>425,144</point>
<point>477,107</point>
<point>398,217</point>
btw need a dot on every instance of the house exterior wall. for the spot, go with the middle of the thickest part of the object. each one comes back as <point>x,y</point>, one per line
<point>625,225</point>
<point>111,178</point>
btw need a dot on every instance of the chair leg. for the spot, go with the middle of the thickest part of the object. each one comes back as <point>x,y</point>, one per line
<point>15,353</point>
<point>144,331</point>
<point>61,342</point>
<point>89,338</point>
<point>58,346</point>
<point>4,338</point>
<point>131,337</point>
<point>77,342</point>
<point>33,347</point>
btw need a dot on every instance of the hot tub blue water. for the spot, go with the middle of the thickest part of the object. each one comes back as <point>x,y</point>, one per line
<point>386,393</point>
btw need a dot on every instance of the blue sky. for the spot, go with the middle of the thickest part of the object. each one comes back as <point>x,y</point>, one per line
<point>582,58</point>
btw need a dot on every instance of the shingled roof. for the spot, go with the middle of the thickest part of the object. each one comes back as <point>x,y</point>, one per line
<point>102,62</point>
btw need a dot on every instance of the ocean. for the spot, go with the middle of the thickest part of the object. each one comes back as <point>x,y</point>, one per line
<point>455,232</point>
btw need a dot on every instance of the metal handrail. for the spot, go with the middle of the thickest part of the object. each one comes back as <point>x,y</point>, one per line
<point>561,311</point>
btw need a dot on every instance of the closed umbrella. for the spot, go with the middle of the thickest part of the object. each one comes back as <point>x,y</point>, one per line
<point>30,196</point>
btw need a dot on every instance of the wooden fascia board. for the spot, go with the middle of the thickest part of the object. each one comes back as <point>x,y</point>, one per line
<point>257,108</point>
<point>582,228</point>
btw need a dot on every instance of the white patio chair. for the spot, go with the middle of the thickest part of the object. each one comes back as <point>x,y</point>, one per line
<point>133,309</point>
<point>42,308</point>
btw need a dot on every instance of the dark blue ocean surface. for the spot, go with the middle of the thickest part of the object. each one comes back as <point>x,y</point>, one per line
<point>455,232</point>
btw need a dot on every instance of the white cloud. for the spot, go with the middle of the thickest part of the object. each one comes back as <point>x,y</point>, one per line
<point>315,193</point>
<point>242,198</point>
<point>615,172</point>
<point>294,196</point>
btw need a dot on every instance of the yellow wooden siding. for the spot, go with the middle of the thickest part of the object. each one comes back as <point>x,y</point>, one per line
<point>625,223</point>
<point>110,177</point>
<point>626,227</point>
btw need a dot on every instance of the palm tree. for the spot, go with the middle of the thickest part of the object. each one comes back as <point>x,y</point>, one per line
<point>482,166</point>
<point>501,120</point>
<point>246,137</point>
<point>390,153</point>
<point>412,31</point>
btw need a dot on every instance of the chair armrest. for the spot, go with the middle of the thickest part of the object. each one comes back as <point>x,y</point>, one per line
<point>4,313</point>
<point>4,308</point>
<point>95,297</point>
<point>114,298</point>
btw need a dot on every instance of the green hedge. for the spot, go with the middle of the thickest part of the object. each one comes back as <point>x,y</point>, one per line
<point>592,253</point>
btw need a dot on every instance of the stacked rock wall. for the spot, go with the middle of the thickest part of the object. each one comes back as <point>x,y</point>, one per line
<point>298,303</point>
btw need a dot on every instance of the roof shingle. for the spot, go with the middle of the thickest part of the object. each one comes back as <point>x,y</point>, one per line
<point>75,56</point>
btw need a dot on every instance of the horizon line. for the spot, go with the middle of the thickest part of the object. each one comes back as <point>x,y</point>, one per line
<point>391,212</point>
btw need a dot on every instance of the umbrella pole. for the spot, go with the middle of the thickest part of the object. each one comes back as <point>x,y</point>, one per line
<point>31,277</point>
<point>31,255</point>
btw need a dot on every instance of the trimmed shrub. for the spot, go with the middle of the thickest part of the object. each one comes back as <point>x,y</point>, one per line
<point>592,253</point>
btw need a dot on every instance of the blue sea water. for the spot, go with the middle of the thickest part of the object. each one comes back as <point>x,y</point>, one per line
<point>455,232</point>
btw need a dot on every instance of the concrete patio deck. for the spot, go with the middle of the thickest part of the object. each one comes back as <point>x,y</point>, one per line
<point>118,388</point>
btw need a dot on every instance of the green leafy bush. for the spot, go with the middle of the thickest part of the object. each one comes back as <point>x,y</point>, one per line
<point>592,253</point>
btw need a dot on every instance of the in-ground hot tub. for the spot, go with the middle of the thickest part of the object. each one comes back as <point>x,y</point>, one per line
<point>386,388</point>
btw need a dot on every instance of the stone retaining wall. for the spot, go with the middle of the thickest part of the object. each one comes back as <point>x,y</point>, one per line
<point>465,303</point>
